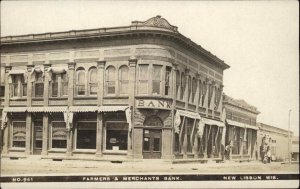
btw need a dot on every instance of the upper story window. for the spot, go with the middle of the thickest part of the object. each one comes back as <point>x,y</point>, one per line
<point>2,88</point>
<point>168,81</point>
<point>203,92</point>
<point>59,84</point>
<point>210,92</point>
<point>156,79</point>
<point>123,79</point>
<point>110,80</point>
<point>194,89</point>
<point>39,84</point>
<point>178,84</point>
<point>80,81</point>
<point>93,81</point>
<point>182,86</point>
<point>18,87</point>
<point>218,97</point>
<point>143,79</point>
<point>189,88</point>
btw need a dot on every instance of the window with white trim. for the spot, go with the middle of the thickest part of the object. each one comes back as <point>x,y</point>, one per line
<point>143,79</point>
<point>58,134</point>
<point>86,135</point>
<point>18,87</point>
<point>110,80</point>
<point>93,81</point>
<point>124,79</point>
<point>156,79</point>
<point>59,85</point>
<point>18,134</point>
<point>80,82</point>
<point>116,135</point>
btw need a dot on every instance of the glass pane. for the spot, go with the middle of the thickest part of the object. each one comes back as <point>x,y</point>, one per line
<point>2,91</point>
<point>124,87</point>
<point>156,144</point>
<point>116,136</point>
<point>143,72</point>
<point>143,87</point>
<point>156,87</point>
<point>19,134</point>
<point>146,145</point>
<point>86,136</point>
<point>59,135</point>
<point>15,90</point>
<point>81,77</point>
<point>124,73</point>
<point>54,89</point>
<point>157,72</point>
<point>80,90</point>
<point>39,77</point>
<point>93,75</point>
<point>93,89</point>
<point>59,143</point>
<point>111,87</point>
<point>64,86</point>
<point>39,89</point>
<point>24,89</point>
<point>110,74</point>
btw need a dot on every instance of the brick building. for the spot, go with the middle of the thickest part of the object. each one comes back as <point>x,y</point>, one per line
<point>241,128</point>
<point>139,91</point>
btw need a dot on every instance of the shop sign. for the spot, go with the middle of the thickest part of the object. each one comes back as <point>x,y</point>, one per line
<point>156,104</point>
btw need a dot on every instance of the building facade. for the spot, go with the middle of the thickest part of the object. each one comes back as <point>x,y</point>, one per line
<point>277,139</point>
<point>241,129</point>
<point>140,91</point>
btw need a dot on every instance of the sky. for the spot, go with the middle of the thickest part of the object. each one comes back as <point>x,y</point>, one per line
<point>258,39</point>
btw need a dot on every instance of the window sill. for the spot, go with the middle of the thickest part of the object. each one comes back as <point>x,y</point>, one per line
<point>15,149</point>
<point>18,98</point>
<point>115,96</point>
<point>84,97</point>
<point>115,152</point>
<point>58,98</point>
<point>37,98</point>
<point>89,151</point>
<point>57,150</point>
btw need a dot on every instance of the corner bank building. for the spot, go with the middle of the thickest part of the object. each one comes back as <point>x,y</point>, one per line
<point>135,92</point>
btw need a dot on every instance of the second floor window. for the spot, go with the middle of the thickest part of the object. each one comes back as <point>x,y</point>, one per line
<point>124,79</point>
<point>182,86</point>
<point>110,80</point>
<point>168,81</point>
<point>194,89</point>
<point>93,81</point>
<point>59,85</point>
<point>39,84</point>
<point>18,86</point>
<point>80,82</point>
<point>177,84</point>
<point>156,79</point>
<point>143,79</point>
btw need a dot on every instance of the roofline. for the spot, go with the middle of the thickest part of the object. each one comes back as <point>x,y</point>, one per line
<point>101,32</point>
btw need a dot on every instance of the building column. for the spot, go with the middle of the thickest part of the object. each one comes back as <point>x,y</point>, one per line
<point>174,96</point>
<point>5,132</point>
<point>100,94</point>
<point>186,99</point>
<point>45,134</point>
<point>197,96</point>
<point>29,134</point>
<point>29,85</point>
<point>132,89</point>
<point>71,73</point>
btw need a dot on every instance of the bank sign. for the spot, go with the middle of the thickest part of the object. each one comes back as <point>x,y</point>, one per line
<point>155,104</point>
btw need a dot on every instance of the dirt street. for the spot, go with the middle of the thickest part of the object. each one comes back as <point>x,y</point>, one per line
<point>76,167</point>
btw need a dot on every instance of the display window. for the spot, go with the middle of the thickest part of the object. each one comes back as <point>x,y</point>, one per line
<point>86,135</point>
<point>116,136</point>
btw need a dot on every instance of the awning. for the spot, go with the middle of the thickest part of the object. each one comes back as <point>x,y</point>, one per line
<point>83,108</point>
<point>213,122</point>
<point>15,109</point>
<point>192,115</point>
<point>239,124</point>
<point>35,109</point>
<point>112,108</point>
<point>55,109</point>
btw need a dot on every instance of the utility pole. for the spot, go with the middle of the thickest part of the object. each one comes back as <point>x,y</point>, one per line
<point>289,138</point>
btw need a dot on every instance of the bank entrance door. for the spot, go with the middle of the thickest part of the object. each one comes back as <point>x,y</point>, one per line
<point>152,144</point>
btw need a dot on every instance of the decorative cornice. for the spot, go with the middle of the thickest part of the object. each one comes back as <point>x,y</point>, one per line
<point>157,21</point>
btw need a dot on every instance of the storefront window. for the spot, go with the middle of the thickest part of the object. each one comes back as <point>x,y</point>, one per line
<point>19,134</point>
<point>59,135</point>
<point>116,136</point>
<point>80,82</point>
<point>86,135</point>
<point>143,79</point>
<point>124,79</point>
<point>38,134</point>
<point>110,80</point>
<point>93,81</point>
<point>39,84</point>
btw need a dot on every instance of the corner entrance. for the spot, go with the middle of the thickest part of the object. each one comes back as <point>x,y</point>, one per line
<point>152,138</point>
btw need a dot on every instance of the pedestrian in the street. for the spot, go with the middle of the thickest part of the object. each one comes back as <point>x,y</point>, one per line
<point>269,154</point>
<point>227,150</point>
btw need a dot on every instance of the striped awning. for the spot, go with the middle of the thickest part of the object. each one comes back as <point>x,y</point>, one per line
<point>112,108</point>
<point>239,124</point>
<point>35,109</point>
<point>55,109</point>
<point>83,108</point>
<point>213,122</point>
<point>14,72</point>
<point>15,109</point>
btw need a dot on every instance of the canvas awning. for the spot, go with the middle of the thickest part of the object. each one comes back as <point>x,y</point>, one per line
<point>15,72</point>
<point>83,108</point>
<point>35,109</point>
<point>112,108</point>
<point>239,124</point>
<point>213,122</point>
<point>192,115</point>
<point>15,109</point>
<point>55,109</point>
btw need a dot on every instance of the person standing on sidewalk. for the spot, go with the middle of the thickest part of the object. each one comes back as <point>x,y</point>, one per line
<point>269,154</point>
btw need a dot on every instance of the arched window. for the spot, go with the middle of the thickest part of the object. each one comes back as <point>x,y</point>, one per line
<point>182,86</point>
<point>110,80</point>
<point>194,89</point>
<point>93,81</point>
<point>80,81</point>
<point>124,79</point>
<point>177,84</point>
